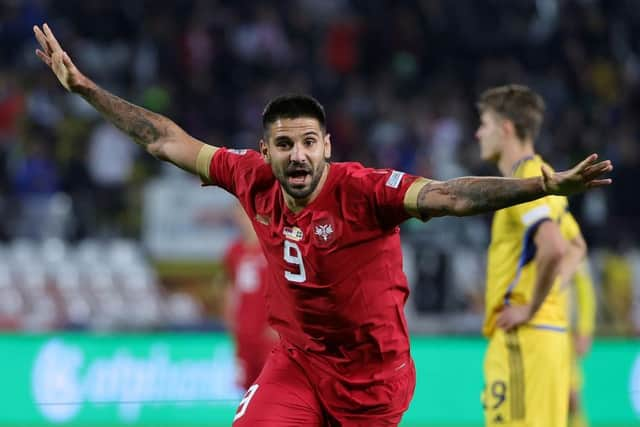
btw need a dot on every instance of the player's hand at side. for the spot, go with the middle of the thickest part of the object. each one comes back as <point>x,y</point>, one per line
<point>56,58</point>
<point>582,344</point>
<point>512,316</point>
<point>585,175</point>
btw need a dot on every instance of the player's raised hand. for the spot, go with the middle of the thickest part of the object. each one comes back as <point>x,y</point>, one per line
<point>57,59</point>
<point>585,175</point>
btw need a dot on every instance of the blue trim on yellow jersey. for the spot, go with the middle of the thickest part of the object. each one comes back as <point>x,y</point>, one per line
<point>527,254</point>
<point>519,163</point>
<point>549,327</point>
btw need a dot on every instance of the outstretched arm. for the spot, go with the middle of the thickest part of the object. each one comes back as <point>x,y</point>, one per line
<point>160,136</point>
<point>475,195</point>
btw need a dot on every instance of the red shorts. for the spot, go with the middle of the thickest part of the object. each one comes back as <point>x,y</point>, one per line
<point>286,395</point>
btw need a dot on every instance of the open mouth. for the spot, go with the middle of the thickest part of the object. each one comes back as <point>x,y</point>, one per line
<point>297,177</point>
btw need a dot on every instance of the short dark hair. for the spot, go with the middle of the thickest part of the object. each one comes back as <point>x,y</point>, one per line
<point>293,106</point>
<point>517,103</point>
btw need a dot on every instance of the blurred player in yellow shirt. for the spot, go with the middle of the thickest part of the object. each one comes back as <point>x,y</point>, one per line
<point>535,249</point>
<point>583,311</point>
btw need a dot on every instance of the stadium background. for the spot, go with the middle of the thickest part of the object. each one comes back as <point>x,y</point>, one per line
<point>110,294</point>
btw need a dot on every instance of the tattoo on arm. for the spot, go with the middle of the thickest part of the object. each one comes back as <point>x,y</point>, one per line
<point>475,195</point>
<point>144,126</point>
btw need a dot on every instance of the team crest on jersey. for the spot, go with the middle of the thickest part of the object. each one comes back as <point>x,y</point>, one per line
<point>324,231</point>
<point>293,233</point>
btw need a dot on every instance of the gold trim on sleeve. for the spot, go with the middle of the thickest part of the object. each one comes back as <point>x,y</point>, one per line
<point>203,162</point>
<point>411,197</point>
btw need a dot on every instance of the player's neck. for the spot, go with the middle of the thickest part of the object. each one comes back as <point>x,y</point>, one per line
<point>296,205</point>
<point>512,154</point>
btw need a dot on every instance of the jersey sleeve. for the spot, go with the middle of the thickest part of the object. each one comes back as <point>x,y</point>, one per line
<point>235,170</point>
<point>385,190</point>
<point>569,226</point>
<point>529,216</point>
<point>533,213</point>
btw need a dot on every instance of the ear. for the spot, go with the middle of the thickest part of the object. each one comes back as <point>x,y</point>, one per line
<point>508,128</point>
<point>264,150</point>
<point>327,146</point>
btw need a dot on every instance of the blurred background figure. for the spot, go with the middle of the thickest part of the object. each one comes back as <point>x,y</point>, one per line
<point>244,308</point>
<point>582,306</point>
<point>618,278</point>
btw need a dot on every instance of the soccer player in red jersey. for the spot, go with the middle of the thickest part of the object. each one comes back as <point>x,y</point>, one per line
<point>329,231</point>
<point>245,311</point>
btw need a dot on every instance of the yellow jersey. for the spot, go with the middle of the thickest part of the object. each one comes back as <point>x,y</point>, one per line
<point>582,302</point>
<point>511,270</point>
<point>582,299</point>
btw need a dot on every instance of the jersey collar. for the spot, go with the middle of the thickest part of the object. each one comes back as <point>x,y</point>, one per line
<point>519,163</point>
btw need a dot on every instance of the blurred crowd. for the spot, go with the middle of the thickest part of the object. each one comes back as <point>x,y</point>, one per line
<point>398,79</point>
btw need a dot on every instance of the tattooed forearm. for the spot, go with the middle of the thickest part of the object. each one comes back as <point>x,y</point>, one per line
<point>475,195</point>
<point>144,126</point>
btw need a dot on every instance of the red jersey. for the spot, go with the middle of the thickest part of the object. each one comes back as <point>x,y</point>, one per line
<point>336,289</point>
<point>246,266</point>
